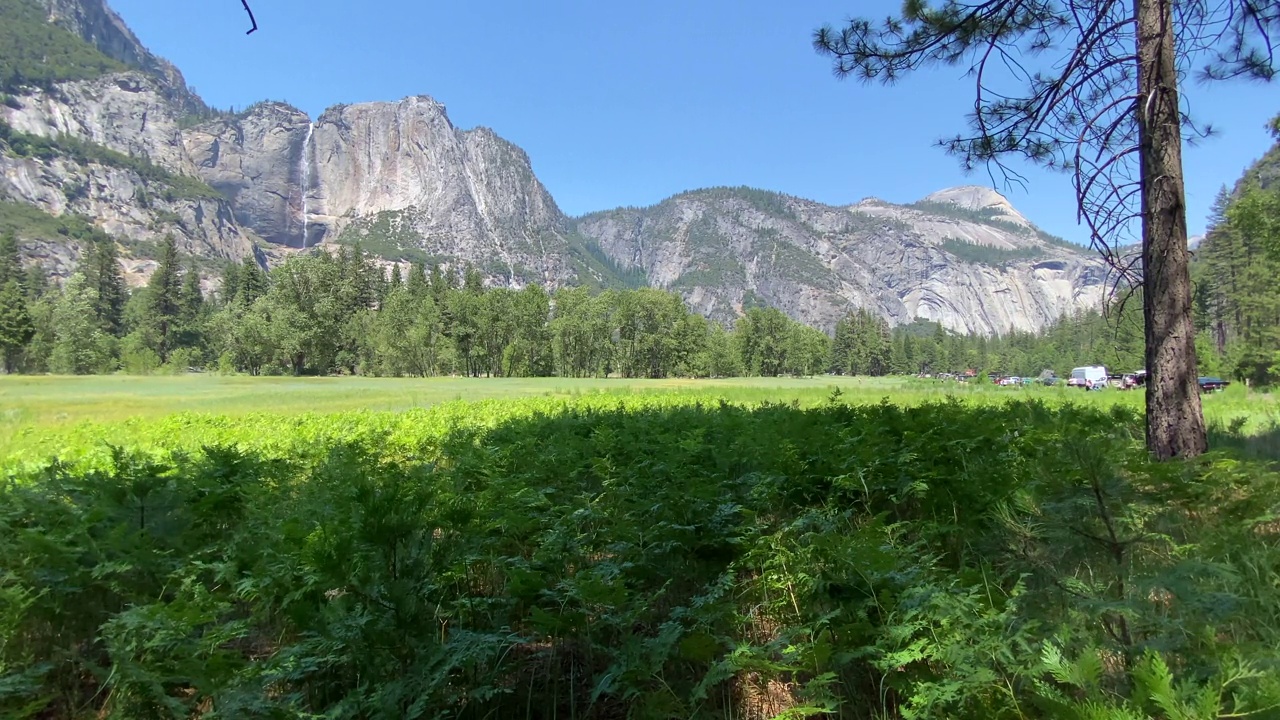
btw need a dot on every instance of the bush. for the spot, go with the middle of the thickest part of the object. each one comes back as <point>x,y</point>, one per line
<point>181,361</point>
<point>138,359</point>
<point>227,364</point>
<point>643,557</point>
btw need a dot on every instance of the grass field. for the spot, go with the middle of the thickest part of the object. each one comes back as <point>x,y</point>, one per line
<point>33,407</point>
<point>627,550</point>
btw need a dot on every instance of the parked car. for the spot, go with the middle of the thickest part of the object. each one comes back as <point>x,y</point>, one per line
<point>1212,384</point>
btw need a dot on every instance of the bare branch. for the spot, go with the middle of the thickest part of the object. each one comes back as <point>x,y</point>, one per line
<point>252,21</point>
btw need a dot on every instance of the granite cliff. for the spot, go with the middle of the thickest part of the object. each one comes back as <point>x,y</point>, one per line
<point>112,134</point>
<point>962,257</point>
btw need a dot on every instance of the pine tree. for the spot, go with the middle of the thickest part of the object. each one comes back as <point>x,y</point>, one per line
<point>1104,101</point>
<point>253,282</point>
<point>10,262</point>
<point>35,282</point>
<point>473,281</point>
<point>164,305</point>
<point>80,345</point>
<point>230,285</point>
<point>188,329</point>
<point>416,281</point>
<point>16,326</point>
<point>102,274</point>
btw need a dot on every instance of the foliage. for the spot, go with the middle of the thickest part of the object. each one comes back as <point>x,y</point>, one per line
<point>80,345</point>
<point>322,314</point>
<point>1106,108</point>
<point>36,52</point>
<point>649,556</point>
<point>29,221</point>
<point>1237,302</point>
<point>102,272</point>
<point>986,255</point>
<point>626,278</point>
<point>388,234</point>
<point>16,328</point>
<point>175,185</point>
<point>992,216</point>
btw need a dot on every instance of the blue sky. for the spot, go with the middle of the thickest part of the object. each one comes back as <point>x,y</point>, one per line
<point>628,104</point>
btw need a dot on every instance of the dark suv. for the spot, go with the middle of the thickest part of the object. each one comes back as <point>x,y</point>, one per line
<point>1212,384</point>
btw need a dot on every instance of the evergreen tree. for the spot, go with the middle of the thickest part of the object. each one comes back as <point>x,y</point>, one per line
<point>16,326</point>
<point>102,275</point>
<point>416,281</point>
<point>35,356</point>
<point>80,345</point>
<point>1105,103</point>
<point>229,288</point>
<point>252,283</point>
<point>35,283</point>
<point>10,261</point>
<point>189,326</point>
<point>472,281</point>
<point>762,335</point>
<point>164,302</point>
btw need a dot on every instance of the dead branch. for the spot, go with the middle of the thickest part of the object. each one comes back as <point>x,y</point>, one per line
<point>249,10</point>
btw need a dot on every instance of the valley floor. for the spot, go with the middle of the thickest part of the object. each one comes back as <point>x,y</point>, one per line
<point>30,405</point>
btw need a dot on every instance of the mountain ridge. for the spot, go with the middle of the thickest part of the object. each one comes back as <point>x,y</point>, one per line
<point>401,178</point>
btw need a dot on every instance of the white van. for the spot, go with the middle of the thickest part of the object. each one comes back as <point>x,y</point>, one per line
<point>1088,376</point>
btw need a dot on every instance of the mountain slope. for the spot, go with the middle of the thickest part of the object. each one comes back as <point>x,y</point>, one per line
<point>974,268</point>
<point>90,132</point>
<point>109,134</point>
<point>397,177</point>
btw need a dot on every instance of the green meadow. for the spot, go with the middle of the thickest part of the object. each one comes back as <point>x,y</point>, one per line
<point>33,405</point>
<point>204,546</point>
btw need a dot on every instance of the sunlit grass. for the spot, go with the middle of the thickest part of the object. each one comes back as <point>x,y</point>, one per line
<point>32,407</point>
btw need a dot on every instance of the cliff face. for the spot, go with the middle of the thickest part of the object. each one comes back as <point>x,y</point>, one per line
<point>397,176</point>
<point>141,156</point>
<point>127,112</point>
<point>118,159</point>
<point>254,159</point>
<point>101,27</point>
<point>969,268</point>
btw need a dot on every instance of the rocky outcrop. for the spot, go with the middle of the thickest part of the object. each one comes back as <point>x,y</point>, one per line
<point>466,194</point>
<point>129,113</point>
<point>254,159</point>
<point>979,199</point>
<point>400,179</point>
<point>393,174</point>
<point>724,249</point>
<point>125,205</point>
<point>101,27</point>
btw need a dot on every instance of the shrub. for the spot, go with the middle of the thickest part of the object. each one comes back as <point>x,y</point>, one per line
<point>645,557</point>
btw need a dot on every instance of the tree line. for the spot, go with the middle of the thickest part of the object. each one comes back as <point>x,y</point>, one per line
<point>344,313</point>
<point>1237,297</point>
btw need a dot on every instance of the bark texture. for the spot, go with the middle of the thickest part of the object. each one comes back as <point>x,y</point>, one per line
<point>1175,423</point>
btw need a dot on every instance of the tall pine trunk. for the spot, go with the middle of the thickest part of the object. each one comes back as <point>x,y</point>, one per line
<point>1175,423</point>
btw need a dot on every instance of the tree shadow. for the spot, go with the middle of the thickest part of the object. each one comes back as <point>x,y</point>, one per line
<point>645,557</point>
<point>1235,438</point>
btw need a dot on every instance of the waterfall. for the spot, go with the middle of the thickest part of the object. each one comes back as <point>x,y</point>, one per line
<point>304,170</point>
